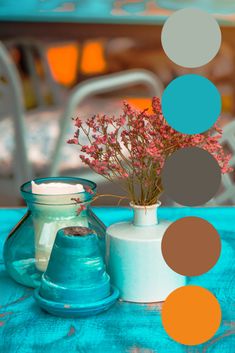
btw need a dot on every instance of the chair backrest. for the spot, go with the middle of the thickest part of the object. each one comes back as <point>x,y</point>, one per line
<point>100,85</point>
<point>11,105</point>
<point>11,97</point>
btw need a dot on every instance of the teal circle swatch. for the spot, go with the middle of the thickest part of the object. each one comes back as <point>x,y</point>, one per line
<point>191,104</point>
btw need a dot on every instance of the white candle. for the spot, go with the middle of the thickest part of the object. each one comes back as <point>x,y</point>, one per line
<point>56,188</point>
<point>46,226</point>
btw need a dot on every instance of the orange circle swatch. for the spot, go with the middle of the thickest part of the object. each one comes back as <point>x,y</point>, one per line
<point>191,315</point>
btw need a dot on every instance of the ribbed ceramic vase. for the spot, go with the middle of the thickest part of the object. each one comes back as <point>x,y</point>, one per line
<point>75,283</point>
<point>76,272</point>
<point>134,258</point>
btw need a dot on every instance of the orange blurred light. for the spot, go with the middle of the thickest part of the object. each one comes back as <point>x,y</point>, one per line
<point>140,103</point>
<point>93,61</point>
<point>63,62</point>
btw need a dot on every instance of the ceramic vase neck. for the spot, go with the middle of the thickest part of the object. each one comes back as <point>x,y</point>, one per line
<point>145,215</point>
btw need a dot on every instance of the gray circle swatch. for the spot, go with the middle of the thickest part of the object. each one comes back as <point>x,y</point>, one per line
<point>191,176</point>
<point>191,37</point>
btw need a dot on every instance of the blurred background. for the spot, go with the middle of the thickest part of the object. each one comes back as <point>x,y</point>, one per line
<point>56,58</point>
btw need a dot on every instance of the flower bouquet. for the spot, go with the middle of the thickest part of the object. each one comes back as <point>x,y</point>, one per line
<point>131,149</point>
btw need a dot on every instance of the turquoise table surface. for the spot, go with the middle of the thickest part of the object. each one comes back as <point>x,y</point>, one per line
<point>91,11</point>
<point>94,11</point>
<point>108,11</point>
<point>126,327</point>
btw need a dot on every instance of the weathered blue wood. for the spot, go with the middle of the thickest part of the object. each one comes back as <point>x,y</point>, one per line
<point>127,327</point>
<point>97,11</point>
<point>217,6</point>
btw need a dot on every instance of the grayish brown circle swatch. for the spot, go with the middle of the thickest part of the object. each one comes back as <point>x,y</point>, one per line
<point>191,246</point>
<point>191,37</point>
<point>191,176</point>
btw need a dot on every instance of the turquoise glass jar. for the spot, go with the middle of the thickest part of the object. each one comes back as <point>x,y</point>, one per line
<point>28,247</point>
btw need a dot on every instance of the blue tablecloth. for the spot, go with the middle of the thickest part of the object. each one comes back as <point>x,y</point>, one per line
<point>127,327</point>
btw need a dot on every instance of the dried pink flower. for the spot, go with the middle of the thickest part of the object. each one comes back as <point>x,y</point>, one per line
<point>132,148</point>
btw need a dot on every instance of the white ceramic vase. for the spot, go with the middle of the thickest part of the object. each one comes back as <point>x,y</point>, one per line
<point>134,258</point>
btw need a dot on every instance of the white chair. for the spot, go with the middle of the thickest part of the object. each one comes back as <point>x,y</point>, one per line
<point>103,84</point>
<point>11,103</point>
<point>11,106</point>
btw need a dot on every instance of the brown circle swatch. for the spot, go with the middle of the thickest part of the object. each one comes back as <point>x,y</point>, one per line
<point>191,176</point>
<point>191,246</point>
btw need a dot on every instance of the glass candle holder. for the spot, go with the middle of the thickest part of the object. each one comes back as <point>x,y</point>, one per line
<point>28,247</point>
